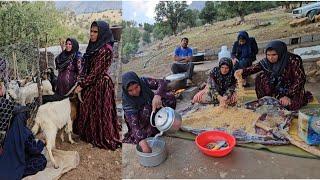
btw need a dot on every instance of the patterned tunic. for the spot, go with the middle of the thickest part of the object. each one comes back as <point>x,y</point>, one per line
<point>291,85</point>
<point>69,75</point>
<point>139,123</point>
<point>97,122</point>
<point>220,85</point>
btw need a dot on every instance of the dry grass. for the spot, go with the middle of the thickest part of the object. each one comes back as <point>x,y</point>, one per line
<point>216,35</point>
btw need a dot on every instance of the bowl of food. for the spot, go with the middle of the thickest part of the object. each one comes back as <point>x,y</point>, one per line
<point>215,143</point>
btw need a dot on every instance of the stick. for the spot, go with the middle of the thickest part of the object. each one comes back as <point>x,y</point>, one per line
<point>38,74</point>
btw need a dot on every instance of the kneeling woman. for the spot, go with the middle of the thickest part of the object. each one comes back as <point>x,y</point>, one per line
<point>220,88</point>
<point>139,101</point>
<point>20,154</point>
<point>282,76</point>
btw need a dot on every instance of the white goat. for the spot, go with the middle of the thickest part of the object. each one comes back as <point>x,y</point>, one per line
<point>29,92</point>
<point>51,117</point>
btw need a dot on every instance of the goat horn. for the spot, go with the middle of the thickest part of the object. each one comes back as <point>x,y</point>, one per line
<point>79,97</point>
<point>71,90</point>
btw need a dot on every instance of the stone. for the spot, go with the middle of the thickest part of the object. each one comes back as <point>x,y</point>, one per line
<point>317,18</point>
<point>299,22</point>
<point>189,93</point>
<point>311,73</point>
<point>312,80</point>
<point>318,63</point>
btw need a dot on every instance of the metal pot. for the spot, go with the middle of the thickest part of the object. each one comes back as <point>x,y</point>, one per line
<point>158,155</point>
<point>166,119</point>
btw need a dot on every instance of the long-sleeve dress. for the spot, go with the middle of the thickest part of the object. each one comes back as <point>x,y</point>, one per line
<point>138,123</point>
<point>69,75</point>
<point>220,85</point>
<point>292,82</point>
<point>97,122</point>
<point>21,154</point>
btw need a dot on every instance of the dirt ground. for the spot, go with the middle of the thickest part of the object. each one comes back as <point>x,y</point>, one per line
<point>184,160</point>
<point>95,163</point>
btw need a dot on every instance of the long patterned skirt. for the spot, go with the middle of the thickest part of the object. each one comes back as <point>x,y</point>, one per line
<point>97,122</point>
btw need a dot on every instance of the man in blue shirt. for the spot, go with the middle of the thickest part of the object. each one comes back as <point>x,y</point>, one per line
<point>183,60</point>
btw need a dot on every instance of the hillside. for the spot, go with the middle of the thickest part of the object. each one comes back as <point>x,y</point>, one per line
<point>84,20</point>
<point>214,36</point>
<point>80,7</point>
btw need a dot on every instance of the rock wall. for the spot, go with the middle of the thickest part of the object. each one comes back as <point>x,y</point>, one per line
<point>312,70</point>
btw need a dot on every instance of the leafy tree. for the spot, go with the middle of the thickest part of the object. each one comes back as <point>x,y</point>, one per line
<point>146,37</point>
<point>161,30</point>
<point>209,12</point>
<point>131,38</point>
<point>171,12</point>
<point>148,27</point>
<point>191,17</point>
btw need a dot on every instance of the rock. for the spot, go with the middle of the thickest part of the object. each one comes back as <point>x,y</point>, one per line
<point>312,80</point>
<point>311,73</point>
<point>318,73</point>
<point>190,92</point>
<point>317,18</point>
<point>318,63</point>
<point>299,22</point>
<point>223,174</point>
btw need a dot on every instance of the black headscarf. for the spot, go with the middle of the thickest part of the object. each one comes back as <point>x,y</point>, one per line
<point>276,68</point>
<point>104,36</point>
<point>223,81</point>
<point>132,103</point>
<point>65,57</point>
<point>245,48</point>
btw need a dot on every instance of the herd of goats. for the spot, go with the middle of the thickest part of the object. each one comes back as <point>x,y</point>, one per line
<point>54,114</point>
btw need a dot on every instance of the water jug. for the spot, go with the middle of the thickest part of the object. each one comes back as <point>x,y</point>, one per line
<point>166,119</point>
<point>224,53</point>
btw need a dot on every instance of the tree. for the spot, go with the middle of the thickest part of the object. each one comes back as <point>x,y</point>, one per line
<point>171,12</point>
<point>146,37</point>
<point>161,30</point>
<point>148,27</point>
<point>131,38</point>
<point>191,17</point>
<point>209,12</point>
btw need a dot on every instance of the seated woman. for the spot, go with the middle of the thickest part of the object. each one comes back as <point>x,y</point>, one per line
<point>220,88</point>
<point>20,153</point>
<point>282,76</point>
<point>139,101</point>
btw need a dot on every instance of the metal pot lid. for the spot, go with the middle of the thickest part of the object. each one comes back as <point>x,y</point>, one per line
<point>175,77</point>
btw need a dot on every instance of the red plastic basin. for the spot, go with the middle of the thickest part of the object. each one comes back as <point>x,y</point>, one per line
<point>212,136</point>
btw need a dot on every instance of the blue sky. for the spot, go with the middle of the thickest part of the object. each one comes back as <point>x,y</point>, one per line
<point>140,10</point>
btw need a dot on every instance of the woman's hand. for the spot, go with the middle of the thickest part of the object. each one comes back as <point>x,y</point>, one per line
<point>78,89</point>
<point>234,61</point>
<point>285,101</point>
<point>222,100</point>
<point>233,98</point>
<point>156,102</point>
<point>199,96</point>
<point>238,73</point>
<point>2,90</point>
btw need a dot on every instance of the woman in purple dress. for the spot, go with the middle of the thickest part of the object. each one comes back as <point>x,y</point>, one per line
<point>69,64</point>
<point>139,101</point>
<point>97,122</point>
<point>282,76</point>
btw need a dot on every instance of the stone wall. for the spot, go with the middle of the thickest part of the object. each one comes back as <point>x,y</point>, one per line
<point>312,70</point>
